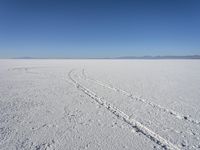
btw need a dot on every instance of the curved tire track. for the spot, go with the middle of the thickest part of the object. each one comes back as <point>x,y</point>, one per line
<point>139,127</point>
<point>171,112</point>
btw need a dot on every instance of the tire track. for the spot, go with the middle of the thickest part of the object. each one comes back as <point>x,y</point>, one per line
<point>139,127</point>
<point>25,69</point>
<point>159,107</point>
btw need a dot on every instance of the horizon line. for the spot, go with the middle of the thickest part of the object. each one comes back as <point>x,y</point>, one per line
<point>119,57</point>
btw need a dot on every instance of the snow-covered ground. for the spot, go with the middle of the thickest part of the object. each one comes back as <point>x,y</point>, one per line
<point>99,104</point>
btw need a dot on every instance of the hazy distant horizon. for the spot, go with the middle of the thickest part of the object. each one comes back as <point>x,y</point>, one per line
<point>118,57</point>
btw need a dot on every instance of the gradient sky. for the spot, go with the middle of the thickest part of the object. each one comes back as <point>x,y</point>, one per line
<point>103,28</point>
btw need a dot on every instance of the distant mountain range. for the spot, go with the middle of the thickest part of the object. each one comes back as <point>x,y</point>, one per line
<point>160,57</point>
<point>124,57</point>
<point>24,58</point>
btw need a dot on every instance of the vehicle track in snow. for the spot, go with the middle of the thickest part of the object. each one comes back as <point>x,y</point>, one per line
<point>154,105</point>
<point>139,127</point>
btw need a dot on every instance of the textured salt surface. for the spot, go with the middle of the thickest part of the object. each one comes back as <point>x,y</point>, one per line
<point>99,104</point>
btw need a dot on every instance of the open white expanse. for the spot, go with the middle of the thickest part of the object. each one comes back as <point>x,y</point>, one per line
<point>99,104</point>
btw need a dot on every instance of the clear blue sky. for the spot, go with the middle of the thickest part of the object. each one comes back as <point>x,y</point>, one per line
<point>103,28</point>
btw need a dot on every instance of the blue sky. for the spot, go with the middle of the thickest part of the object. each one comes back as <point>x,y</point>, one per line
<point>104,28</point>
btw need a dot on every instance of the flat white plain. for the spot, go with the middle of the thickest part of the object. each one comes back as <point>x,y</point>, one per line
<point>99,104</point>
